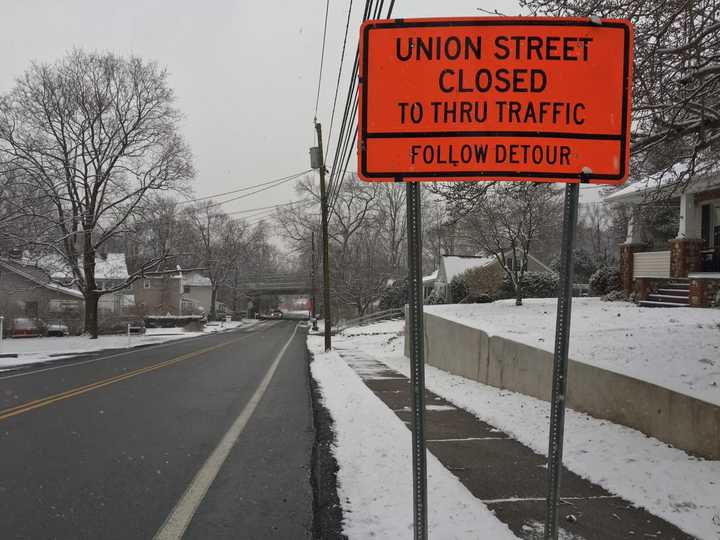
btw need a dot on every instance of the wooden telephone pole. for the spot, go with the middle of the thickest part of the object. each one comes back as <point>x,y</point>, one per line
<point>318,162</point>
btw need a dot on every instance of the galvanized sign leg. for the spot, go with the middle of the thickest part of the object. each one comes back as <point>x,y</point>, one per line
<point>415,334</point>
<point>560,360</point>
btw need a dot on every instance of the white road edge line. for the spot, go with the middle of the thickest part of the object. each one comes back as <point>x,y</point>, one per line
<point>179,519</point>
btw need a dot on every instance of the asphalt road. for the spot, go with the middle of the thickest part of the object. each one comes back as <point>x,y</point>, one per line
<point>203,438</point>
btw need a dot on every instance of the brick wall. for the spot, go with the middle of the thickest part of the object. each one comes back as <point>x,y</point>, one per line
<point>684,257</point>
<point>703,291</point>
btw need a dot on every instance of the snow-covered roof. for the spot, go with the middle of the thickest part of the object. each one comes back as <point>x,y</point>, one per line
<point>113,266</point>
<point>430,279</point>
<point>668,182</point>
<point>107,266</point>
<point>455,264</point>
<point>37,276</point>
<point>194,279</point>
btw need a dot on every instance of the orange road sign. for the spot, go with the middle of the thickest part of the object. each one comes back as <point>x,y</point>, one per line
<point>533,99</point>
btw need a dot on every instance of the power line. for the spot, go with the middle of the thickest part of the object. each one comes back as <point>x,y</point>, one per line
<point>271,207</point>
<point>337,84</point>
<point>247,188</point>
<point>352,88</point>
<point>246,195</point>
<point>345,145</point>
<point>322,57</point>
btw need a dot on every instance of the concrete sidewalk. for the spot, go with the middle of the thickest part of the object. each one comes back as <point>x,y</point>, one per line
<point>507,476</point>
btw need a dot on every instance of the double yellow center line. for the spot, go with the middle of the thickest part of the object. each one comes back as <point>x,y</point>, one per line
<point>73,392</point>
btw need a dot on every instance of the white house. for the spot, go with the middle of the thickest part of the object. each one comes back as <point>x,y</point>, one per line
<point>687,271</point>
<point>455,265</point>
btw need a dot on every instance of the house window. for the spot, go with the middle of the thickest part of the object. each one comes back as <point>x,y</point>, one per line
<point>186,289</point>
<point>146,284</point>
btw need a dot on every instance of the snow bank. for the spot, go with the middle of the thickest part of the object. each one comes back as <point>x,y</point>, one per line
<point>667,482</point>
<point>373,452</point>
<point>677,348</point>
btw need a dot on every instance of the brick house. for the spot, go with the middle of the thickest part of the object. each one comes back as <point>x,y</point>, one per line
<point>27,291</point>
<point>686,270</point>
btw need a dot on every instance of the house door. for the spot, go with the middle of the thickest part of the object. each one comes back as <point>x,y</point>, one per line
<point>710,232</point>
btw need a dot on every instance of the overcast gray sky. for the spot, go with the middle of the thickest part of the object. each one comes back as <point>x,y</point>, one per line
<point>245,73</point>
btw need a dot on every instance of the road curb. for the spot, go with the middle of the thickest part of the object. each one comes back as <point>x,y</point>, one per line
<point>327,512</point>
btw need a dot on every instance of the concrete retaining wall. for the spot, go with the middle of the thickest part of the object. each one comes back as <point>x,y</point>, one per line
<point>682,421</point>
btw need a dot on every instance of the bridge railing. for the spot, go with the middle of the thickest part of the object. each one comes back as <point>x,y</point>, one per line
<point>370,318</point>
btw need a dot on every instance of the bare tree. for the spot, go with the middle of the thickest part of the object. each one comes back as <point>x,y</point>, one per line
<point>676,93</point>
<point>220,245</point>
<point>93,133</point>
<point>507,221</point>
<point>392,225</point>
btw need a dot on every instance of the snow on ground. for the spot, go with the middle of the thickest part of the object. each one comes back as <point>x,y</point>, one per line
<point>372,449</point>
<point>47,349</point>
<point>678,348</point>
<point>666,481</point>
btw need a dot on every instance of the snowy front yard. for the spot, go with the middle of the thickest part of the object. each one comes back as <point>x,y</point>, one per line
<point>47,349</point>
<point>666,481</point>
<point>677,348</point>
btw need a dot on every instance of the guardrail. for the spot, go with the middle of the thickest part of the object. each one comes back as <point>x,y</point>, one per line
<point>388,314</point>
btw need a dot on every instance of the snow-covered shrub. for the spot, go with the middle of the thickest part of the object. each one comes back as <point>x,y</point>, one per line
<point>395,296</point>
<point>534,285</point>
<point>458,289</point>
<point>604,280</point>
<point>615,296</point>
<point>584,265</point>
<point>434,299</point>
<point>484,280</point>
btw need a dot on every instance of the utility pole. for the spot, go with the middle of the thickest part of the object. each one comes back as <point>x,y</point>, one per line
<point>318,162</point>
<point>313,299</point>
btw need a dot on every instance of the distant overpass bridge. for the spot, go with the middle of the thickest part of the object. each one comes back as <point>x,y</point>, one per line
<point>257,285</point>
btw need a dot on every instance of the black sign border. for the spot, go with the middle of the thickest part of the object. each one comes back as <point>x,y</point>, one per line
<point>401,23</point>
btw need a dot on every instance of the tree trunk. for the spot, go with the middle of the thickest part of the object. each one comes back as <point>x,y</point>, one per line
<point>91,314</point>
<point>518,294</point>
<point>91,293</point>
<point>213,296</point>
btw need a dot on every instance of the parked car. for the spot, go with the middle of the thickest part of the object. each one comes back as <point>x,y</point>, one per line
<point>136,327</point>
<point>57,328</point>
<point>26,328</point>
<point>276,314</point>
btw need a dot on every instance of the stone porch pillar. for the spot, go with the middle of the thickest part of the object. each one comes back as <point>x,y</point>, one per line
<point>632,244</point>
<point>626,265</point>
<point>684,256</point>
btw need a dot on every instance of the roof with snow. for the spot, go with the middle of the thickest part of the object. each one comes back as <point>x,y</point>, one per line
<point>37,276</point>
<point>430,279</point>
<point>194,279</point>
<point>110,266</point>
<point>453,265</point>
<point>668,183</point>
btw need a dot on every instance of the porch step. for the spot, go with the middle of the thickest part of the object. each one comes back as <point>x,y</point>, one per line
<point>669,298</point>
<point>678,284</point>
<point>685,293</point>
<point>654,304</point>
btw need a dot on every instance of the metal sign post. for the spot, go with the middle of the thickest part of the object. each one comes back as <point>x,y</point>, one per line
<point>560,360</point>
<point>473,99</point>
<point>416,334</point>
